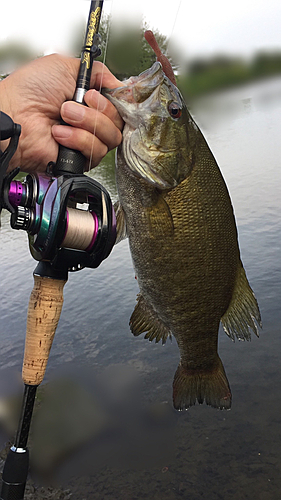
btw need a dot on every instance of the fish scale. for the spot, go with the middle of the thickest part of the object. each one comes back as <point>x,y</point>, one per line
<point>182,236</point>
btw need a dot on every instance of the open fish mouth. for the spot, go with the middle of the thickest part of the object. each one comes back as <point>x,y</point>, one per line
<point>150,145</point>
<point>148,80</point>
<point>136,89</point>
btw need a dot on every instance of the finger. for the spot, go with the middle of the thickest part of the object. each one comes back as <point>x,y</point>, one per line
<point>82,140</point>
<point>102,77</point>
<point>93,121</point>
<point>94,99</point>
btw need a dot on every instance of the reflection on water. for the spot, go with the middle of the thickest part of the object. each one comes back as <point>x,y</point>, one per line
<point>216,455</point>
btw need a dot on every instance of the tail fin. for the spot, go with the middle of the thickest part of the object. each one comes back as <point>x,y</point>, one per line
<point>211,386</point>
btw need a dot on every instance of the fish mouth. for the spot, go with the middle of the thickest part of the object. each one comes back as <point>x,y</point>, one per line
<point>136,89</point>
<point>147,81</point>
<point>136,102</point>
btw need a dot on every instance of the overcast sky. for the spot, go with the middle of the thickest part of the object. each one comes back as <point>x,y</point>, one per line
<point>197,26</point>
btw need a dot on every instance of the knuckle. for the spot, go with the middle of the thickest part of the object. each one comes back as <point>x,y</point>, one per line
<point>103,150</point>
<point>116,140</point>
<point>94,149</point>
<point>100,153</point>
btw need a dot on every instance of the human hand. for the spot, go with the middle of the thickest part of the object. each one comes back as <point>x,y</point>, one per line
<point>34,96</point>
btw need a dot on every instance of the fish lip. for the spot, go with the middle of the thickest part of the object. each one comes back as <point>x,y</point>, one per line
<point>151,78</point>
<point>154,71</point>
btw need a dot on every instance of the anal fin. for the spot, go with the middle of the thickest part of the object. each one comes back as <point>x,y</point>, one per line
<point>243,313</point>
<point>145,319</point>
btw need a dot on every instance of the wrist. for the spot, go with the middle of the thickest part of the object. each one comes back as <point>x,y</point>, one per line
<point>7,109</point>
<point>4,108</point>
<point>3,97</point>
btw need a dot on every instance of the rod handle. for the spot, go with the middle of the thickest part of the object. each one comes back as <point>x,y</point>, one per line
<point>43,315</point>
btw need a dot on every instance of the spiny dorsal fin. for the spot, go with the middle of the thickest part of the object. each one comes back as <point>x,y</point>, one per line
<point>145,319</point>
<point>243,313</point>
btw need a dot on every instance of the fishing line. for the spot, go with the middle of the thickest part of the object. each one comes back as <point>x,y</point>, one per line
<point>81,229</point>
<point>176,18</point>
<point>99,90</point>
<point>173,27</point>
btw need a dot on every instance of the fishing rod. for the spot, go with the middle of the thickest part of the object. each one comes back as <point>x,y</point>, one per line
<point>62,236</point>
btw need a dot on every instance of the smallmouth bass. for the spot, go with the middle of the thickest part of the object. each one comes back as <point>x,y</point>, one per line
<point>175,209</point>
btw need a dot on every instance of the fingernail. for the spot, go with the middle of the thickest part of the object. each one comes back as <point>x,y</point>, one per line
<point>73,111</point>
<point>61,131</point>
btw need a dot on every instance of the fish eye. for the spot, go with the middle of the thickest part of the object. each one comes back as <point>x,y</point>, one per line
<point>174,110</point>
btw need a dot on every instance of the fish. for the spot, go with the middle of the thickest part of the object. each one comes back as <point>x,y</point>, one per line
<point>176,211</point>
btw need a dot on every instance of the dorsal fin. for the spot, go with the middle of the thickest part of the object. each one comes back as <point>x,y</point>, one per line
<point>166,65</point>
<point>243,313</point>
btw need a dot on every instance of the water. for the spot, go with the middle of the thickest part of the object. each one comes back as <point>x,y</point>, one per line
<point>112,404</point>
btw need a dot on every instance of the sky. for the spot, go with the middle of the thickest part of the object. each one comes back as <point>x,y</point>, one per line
<point>198,27</point>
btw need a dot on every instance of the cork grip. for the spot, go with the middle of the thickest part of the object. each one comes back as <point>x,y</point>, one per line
<point>43,315</point>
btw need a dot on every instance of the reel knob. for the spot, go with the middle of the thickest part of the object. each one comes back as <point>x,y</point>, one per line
<point>22,218</point>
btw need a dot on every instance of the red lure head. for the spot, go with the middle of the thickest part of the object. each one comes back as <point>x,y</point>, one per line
<point>166,65</point>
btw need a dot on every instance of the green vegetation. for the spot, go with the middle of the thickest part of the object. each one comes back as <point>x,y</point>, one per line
<point>220,72</point>
<point>128,53</point>
<point>125,49</point>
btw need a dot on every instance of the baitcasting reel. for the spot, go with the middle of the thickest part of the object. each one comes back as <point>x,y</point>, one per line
<point>69,218</point>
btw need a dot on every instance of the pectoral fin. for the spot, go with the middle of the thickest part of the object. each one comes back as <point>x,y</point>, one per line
<point>121,228</point>
<point>145,319</point>
<point>243,313</point>
<point>160,219</point>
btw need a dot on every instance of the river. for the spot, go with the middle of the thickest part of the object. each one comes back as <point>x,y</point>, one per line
<point>109,402</point>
